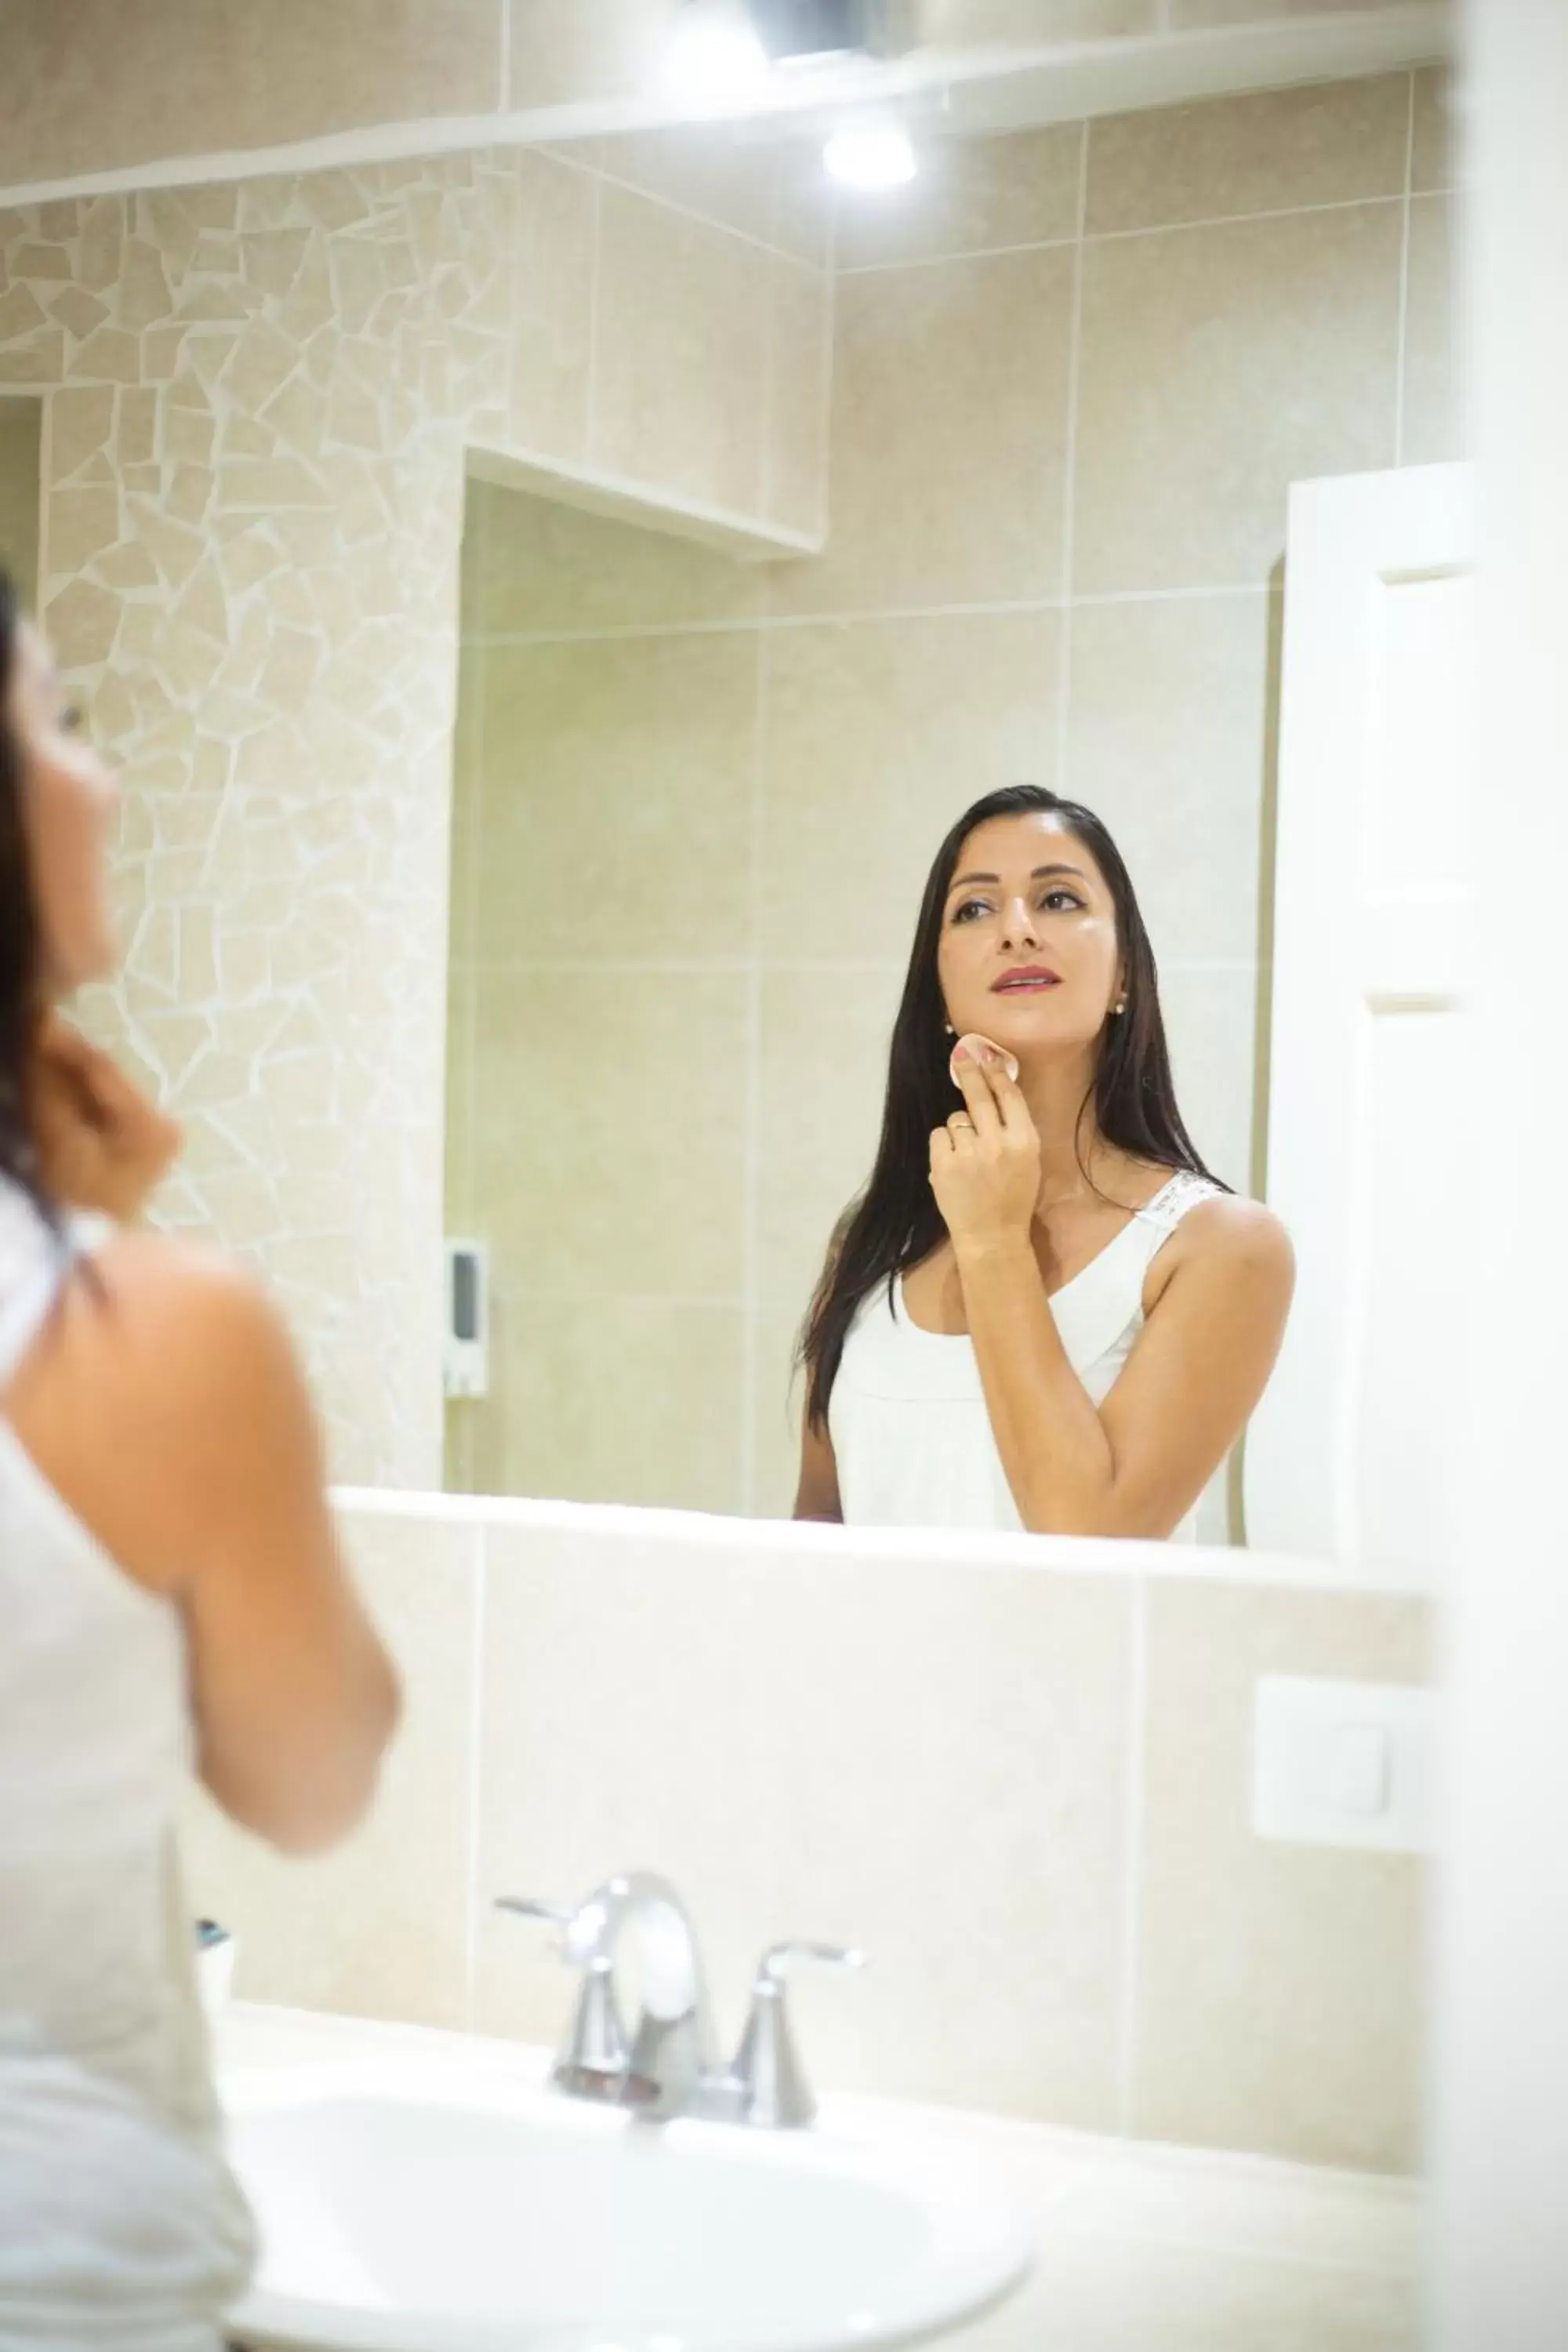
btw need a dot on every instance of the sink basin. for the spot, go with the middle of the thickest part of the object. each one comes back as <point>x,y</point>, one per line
<point>425,2192</point>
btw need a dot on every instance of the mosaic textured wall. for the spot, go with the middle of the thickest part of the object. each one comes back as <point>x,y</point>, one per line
<point>259,400</point>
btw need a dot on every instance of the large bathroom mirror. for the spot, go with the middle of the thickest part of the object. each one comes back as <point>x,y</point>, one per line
<point>1032,433</point>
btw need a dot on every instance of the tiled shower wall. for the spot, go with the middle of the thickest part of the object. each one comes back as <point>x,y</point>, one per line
<point>1017,1773</point>
<point>257,400</point>
<point>1075,369</point>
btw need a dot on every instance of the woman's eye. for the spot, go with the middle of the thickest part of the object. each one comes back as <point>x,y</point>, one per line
<point>1061,901</point>
<point>970,906</point>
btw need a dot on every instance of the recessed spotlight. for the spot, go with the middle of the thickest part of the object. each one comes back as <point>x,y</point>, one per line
<point>870,156</point>
<point>716,57</point>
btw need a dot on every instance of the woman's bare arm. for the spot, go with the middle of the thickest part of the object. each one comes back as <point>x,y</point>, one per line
<point>164,1404</point>
<point>816,1495</point>
<point>1136,1464</point>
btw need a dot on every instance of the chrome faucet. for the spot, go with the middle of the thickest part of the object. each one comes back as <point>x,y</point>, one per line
<point>667,2065</point>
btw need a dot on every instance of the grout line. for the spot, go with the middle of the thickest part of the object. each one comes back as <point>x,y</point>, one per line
<point>590,391</point>
<point>503,99</point>
<point>751,1158</point>
<point>475,1786</point>
<point>965,253</point>
<point>737,623</point>
<point>1405,278</point>
<point>734,967</point>
<point>1069,470</point>
<point>529,1294</point>
<point>1133,1861</point>
<point>768,404</point>
<point>1115,235</point>
<point>562,153</point>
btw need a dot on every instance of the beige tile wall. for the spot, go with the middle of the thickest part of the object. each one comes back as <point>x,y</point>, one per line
<point>258,397</point>
<point>1023,1786</point>
<point>1075,369</point>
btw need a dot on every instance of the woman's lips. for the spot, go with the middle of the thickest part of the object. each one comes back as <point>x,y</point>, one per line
<point>1026,980</point>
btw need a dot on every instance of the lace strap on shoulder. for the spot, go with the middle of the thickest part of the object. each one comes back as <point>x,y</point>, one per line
<point>1171,1203</point>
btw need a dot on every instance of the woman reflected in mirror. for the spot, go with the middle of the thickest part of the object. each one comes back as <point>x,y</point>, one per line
<point>1043,1311</point>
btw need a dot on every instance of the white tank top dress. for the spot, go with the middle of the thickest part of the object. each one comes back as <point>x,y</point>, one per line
<point>120,2227</point>
<point>911,1434</point>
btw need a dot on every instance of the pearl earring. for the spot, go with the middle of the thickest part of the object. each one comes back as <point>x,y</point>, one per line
<point>949,1028</point>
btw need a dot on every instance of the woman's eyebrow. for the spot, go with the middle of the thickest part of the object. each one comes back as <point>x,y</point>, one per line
<point>1038,875</point>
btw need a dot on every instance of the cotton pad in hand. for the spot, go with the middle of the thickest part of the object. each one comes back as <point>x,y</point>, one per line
<point>976,1045</point>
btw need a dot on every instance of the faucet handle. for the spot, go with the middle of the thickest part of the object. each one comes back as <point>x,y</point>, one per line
<point>779,1959</point>
<point>767,2073</point>
<point>528,1907</point>
<point>597,2045</point>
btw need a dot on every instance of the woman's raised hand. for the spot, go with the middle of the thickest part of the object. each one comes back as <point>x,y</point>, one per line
<point>985,1161</point>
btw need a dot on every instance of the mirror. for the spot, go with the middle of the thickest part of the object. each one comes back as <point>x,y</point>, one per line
<point>1073,373</point>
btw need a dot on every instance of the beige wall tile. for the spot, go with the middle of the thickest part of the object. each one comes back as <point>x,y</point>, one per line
<point>1211,1021</point>
<point>711,168</point>
<point>379,1928</point>
<point>1186,16</point>
<point>1432,156</point>
<point>609,1131</point>
<point>536,566</point>
<point>978,1862</point>
<point>969,195</point>
<point>561,50</point>
<point>104,96</point>
<point>879,734</point>
<point>21,421</point>
<point>1279,1986</point>
<point>1170,740</point>
<point>800,367</point>
<point>681,354</point>
<point>823,1072</point>
<point>1434,422</point>
<point>805,204</point>
<point>949,437</point>
<point>1275,344</point>
<point>1269,151</point>
<point>614,1401</point>
<point>550,356</point>
<point>617,809</point>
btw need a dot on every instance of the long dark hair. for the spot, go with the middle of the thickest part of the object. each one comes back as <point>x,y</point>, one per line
<point>895,1222</point>
<point>21,947</point>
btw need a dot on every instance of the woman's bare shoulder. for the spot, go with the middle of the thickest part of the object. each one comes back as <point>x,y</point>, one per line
<point>191,1312</point>
<point>1228,1231</point>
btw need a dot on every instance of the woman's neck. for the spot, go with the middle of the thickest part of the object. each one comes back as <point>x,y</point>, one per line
<point>1060,1095</point>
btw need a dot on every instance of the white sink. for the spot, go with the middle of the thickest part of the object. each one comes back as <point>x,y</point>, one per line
<point>424,2192</point>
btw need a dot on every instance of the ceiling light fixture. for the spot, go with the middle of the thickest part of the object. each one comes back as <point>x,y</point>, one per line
<point>716,57</point>
<point>870,156</point>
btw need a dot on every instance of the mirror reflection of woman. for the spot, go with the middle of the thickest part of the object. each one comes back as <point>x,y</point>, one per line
<point>1042,1312</point>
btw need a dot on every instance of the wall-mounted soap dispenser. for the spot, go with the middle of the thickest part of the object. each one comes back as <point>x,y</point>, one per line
<point>465,1351</point>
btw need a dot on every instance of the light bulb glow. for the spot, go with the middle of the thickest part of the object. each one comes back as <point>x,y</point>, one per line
<point>870,156</point>
<point>715,57</point>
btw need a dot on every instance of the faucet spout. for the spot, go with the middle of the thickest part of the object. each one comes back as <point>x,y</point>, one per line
<point>671,2051</point>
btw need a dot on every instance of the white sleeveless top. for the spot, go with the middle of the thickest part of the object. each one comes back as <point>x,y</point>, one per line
<point>910,1430</point>
<point>119,2225</point>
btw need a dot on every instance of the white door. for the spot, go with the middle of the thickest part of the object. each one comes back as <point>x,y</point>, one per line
<point>1348,1455</point>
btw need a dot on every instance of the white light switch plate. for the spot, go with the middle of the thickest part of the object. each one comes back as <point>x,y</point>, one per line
<point>1345,1764</point>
